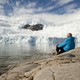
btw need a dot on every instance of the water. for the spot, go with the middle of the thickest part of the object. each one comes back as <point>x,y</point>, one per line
<point>11,54</point>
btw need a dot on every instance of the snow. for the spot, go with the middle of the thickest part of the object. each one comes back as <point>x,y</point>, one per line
<point>11,32</point>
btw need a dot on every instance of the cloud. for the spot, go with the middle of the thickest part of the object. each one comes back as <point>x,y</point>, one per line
<point>2,2</point>
<point>65,6</point>
<point>53,18</point>
<point>71,8</point>
<point>31,5</point>
<point>41,9</point>
<point>23,12</point>
<point>21,9</point>
<point>17,3</point>
<point>63,2</point>
<point>1,7</point>
<point>30,8</point>
<point>35,7</point>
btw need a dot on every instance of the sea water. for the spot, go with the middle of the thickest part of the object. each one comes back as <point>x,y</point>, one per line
<point>11,54</point>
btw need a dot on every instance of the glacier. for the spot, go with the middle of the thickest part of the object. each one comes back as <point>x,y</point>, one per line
<point>11,32</point>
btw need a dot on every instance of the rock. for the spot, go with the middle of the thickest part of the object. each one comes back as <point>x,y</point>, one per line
<point>25,79</point>
<point>60,72</point>
<point>27,26</point>
<point>13,76</point>
<point>67,71</point>
<point>69,56</point>
<point>3,77</point>
<point>35,27</point>
<point>44,74</point>
<point>23,68</point>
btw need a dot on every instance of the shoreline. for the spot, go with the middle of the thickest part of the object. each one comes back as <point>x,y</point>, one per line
<point>53,68</point>
<point>4,67</point>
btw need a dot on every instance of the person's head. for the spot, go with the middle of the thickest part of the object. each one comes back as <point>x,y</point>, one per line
<point>69,35</point>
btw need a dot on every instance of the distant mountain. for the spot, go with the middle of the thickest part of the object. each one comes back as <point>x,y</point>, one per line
<point>10,30</point>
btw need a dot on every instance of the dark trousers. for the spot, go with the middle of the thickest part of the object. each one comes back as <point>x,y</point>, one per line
<point>59,50</point>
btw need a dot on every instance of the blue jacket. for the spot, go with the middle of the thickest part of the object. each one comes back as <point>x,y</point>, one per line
<point>68,44</point>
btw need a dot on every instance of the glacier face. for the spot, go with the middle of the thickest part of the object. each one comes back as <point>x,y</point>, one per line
<point>10,32</point>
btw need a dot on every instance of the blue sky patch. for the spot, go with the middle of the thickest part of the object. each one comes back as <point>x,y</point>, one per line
<point>38,6</point>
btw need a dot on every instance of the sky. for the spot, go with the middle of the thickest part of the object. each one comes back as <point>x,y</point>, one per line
<point>55,11</point>
<point>18,7</point>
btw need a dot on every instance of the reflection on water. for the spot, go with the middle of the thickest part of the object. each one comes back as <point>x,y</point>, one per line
<point>18,53</point>
<point>21,50</point>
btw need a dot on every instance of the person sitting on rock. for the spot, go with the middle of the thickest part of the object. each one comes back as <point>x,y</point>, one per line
<point>68,44</point>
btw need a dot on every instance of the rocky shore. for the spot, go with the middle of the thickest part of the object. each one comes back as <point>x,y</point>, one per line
<point>65,66</point>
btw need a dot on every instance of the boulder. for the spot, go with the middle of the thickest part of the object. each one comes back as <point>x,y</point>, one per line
<point>35,27</point>
<point>26,26</point>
